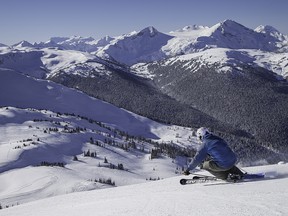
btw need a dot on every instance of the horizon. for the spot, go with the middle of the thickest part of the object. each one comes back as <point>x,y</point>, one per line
<point>36,21</point>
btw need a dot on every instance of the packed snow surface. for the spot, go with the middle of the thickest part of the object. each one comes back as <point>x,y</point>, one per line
<point>167,197</point>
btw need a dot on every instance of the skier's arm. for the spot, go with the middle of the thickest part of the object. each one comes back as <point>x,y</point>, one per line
<point>198,158</point>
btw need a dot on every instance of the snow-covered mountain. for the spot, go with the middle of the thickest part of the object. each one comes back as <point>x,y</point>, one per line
<point>226,77</point>
<point>47,62</point>
<point>270,30</point>
<point>108,70</point>
<point>265,46</point>
<point>22,44</point>
<point>3,45</point>
<point>88,44</point>
<point>28,92</point>
<point>151,45</point>
<point>225,47</point>
<point>142,46</point>
<point>226,59</point>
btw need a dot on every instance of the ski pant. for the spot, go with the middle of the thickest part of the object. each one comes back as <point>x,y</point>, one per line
<point>219,172</point>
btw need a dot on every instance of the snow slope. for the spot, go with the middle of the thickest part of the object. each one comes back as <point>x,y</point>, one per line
<point>42,63</point>
<point>223,60</point>
<point>30,137</point>
<point>168,197</point>
<point>26,92</point>
<point>39,132</point>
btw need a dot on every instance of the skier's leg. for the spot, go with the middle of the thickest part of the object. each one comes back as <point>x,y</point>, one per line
<point>215,170</point>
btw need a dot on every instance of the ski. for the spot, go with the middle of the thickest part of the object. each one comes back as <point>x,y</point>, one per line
<point>254,176</point>
<point>232,178</point>
<point>197,179</point>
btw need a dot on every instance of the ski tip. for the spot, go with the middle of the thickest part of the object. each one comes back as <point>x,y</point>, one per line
<point>254,176</point>
<point>183,181</point>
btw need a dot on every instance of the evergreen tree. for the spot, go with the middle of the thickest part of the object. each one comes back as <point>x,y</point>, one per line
<point>105,160</point>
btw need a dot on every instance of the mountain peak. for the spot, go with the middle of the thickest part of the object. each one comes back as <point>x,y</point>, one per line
<point>267,29</point>
<point>104,41</point>
<point>270,31</point>
<point>192,27</point>
<point>151,31</point>
<point>58,39</point>
<point>23,43</point>
<point>231,24</point>
<point>230,28</point>
<point>3,45</point>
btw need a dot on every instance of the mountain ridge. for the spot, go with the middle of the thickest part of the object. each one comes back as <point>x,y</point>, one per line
<point>124,75</point>
<point>227,27</point>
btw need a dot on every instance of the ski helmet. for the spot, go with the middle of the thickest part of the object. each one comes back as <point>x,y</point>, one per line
<point>201,132</point>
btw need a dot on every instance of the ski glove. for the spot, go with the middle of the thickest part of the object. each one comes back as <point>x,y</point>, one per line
<point>186,172</point>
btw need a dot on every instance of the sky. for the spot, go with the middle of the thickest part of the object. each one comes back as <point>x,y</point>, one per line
<point>39,20</point>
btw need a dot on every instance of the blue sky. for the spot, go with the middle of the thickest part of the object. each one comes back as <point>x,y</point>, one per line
<point>38,20</point>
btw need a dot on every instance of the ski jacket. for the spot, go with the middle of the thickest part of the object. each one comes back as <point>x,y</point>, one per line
<point>217,149</point>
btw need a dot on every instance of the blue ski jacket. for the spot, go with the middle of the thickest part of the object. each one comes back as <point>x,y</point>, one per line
<point>217,149</point>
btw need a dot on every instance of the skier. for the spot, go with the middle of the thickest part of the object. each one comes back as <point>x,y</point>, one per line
<point>222,159</point>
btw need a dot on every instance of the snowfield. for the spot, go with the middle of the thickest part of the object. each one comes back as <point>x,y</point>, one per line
<point>168,197</point>
<point>51,127</point>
